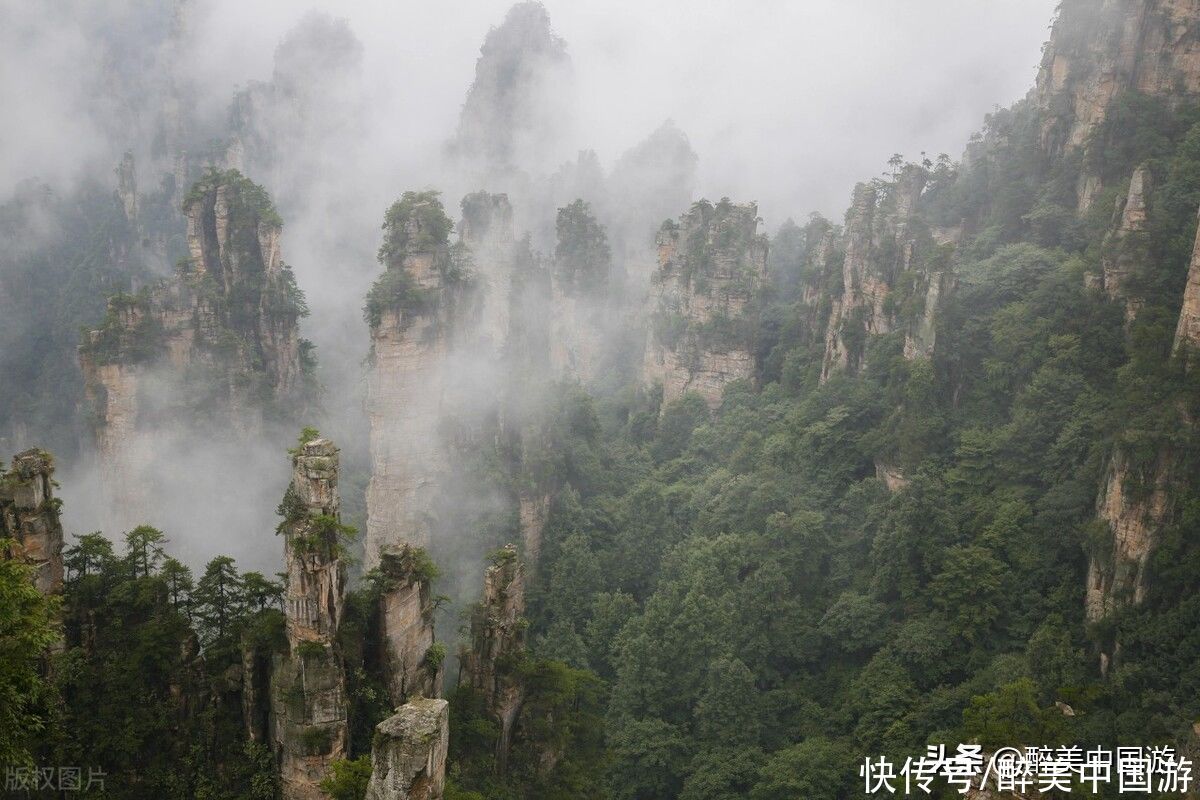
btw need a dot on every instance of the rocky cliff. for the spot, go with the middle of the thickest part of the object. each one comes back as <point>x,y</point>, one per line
<point>1187,330</point>
<point>1101,51</point>
<point>1136,499</point>
<point>414,311</point>
<point>406,613</point>
<point>515,108</point>
<point>408,756</point>
<point>711,264</point>
<point>29,517</point>
<point>583,310</point>
<point>216,345</point>
<point>307,684</point>
<point>487,232</point>
<point>497,645</point>
<point>1125,251</point>
<point>889,258</point>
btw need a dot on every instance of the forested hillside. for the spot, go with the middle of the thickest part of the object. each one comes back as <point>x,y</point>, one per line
<point>922,475</point>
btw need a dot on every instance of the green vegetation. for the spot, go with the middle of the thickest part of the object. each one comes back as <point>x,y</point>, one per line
<point>27,629</point>
<point>348,779</point>
<point>582,258</point>
<point>246,198</point>
<point>415,223</point>
<point>129,334</point>
<point>395,289</point>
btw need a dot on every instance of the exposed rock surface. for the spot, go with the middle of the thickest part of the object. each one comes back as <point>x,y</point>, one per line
<point>1100,50</point>
<point>219,340</point>
<point>487,231</point>
<point>414,315</point>
<point>879,243</point>
<point>583,311</point>
<point>1134,515</point>
<point>29,517</point>
<point>711,265</point>
<point>406,613</point>
<point>308,686</point>
<point>1125,247</point>
<point>497,643</point>
<point>516,107</point>
<point>408,757</point>
<point>1187,331</point>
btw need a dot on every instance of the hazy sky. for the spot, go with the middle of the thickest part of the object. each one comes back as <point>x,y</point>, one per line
<point>787,103</point>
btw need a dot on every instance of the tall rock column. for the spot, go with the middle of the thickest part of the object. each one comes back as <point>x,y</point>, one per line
<point>881,241</point>
<point>412,310</point>
<point>408,756</point>
<point>29,517</point>
<point>497,644</point>
<point>406,612</point>
<point>1125,248</point>
<point>583,311</point>
<point>308,685</point>
<point>711,265</point>
<point>213,345</point>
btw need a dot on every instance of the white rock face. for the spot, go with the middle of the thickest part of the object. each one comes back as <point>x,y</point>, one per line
<point>408,760</point>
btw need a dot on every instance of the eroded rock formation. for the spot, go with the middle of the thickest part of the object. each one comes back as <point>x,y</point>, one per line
<point>406,614</point>
<point>1126,248</point>
<point>1099,51</point>
<point>497,644</point>
<point>517,105</point>
<point>29,517</point>
<point>308,685</point>
<point>880,245</point>
<point>582,308</point>
<point>487,231</point>
<point>1187,330</point>
<point>1134,507</point>
<point>217,345</point>
<point>711,265</point>
<point>1135,501</point>
<point>414,311</point>
<point>408,757</point>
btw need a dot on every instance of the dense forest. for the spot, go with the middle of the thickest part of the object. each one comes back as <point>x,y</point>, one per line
<point>915,520</point>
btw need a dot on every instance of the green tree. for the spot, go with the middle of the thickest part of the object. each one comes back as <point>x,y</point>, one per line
<point>144,550</point>
<point>27,628</point>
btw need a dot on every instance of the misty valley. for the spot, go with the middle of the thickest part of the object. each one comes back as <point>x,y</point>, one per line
<point>508,472</point>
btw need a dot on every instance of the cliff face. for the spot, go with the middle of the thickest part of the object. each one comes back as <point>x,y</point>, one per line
<point>1099,51</point>
<point>406,611</point>
<point>414,311</point>
<point>218,343</point>
<point>408,757</point>
<point>1135,502</point>
<point>882,247</point>
<point>711,265</point>
<point>487,232</point>
<point>1125,248</point>
<point>497,643</point>
<point>1187,331</point>
<point>1134,515</point>
<point>307,686</point>
<point>514,110</point>
<point>583,312</point>
<point>29,517</point>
